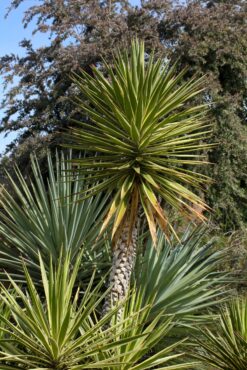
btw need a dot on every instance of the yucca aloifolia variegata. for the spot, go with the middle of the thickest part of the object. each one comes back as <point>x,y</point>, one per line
<point>140,136</point>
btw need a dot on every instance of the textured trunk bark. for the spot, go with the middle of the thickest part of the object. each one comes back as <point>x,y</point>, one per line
<point>124,254</point>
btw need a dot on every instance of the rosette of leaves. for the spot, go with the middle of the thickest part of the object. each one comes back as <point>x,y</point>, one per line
<point>60,328</point>
<point>42,215</point>
<point>140,137</point>
<point>225,346</point>
<point>183,276</point>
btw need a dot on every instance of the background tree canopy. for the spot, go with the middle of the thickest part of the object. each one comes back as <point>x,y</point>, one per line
<point>210,37</point>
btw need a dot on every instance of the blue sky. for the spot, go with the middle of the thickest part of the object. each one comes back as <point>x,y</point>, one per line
<point>11,33</point>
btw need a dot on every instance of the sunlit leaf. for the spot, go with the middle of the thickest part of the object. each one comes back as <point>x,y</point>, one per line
<point>143,124</point>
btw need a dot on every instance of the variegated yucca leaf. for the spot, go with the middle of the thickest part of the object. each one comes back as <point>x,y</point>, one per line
<point>140,136</point>
<point>58,327</point>
<point>225,346</point>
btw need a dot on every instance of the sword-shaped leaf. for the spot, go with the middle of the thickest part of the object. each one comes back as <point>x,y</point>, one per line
<point>141,125</point>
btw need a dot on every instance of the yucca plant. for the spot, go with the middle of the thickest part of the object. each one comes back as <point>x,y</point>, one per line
<point>61,331</point>
<point>5,313</point>
<point>182,276</point>
<point>140,135</point>
<point>140,353</point>
<point>44,216</point>
<point>225,347</point>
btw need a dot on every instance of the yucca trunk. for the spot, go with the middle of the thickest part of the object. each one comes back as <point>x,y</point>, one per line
<point>144,133</point>
<point>123,260</point>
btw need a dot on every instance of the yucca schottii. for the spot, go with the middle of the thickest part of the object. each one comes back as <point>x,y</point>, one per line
<point>140,135</point>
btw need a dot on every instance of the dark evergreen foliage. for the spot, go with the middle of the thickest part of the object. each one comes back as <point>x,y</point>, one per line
<point>211,38</point>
